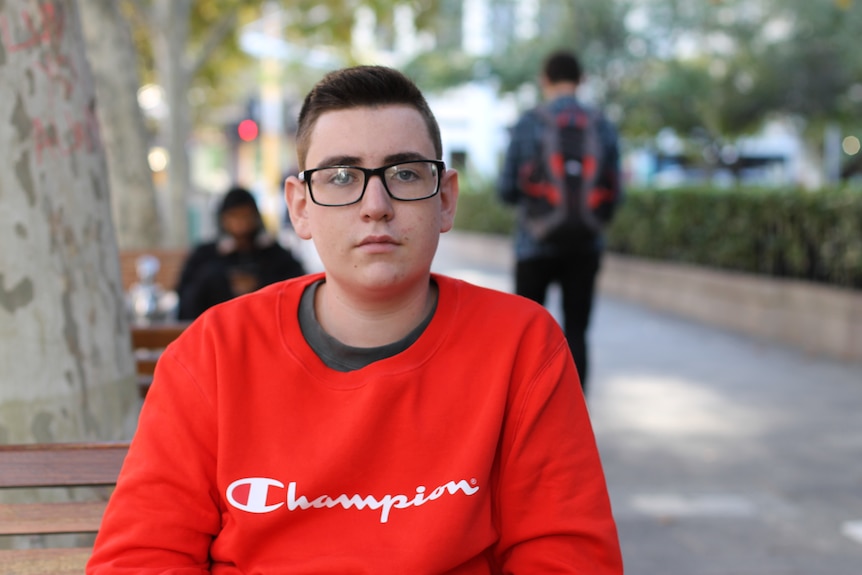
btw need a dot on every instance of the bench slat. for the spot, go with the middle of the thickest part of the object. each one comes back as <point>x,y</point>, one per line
<point>65,464</point>
<point>156,336</point>
<point>148,342</point>
<point>54,465</point>
<point>58,517</point>
<point>67,561</point>
<point>146,366</point>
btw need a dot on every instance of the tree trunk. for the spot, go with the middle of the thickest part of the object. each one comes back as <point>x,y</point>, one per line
<point>170,39</point>
<point>113,57</point>
<point>66,366</point>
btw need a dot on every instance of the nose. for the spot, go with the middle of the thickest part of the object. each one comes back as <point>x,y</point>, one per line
<point>376,203</point>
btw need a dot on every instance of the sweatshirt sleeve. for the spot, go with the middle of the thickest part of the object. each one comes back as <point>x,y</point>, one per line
<point>554,509</point>
<point>164,512</point>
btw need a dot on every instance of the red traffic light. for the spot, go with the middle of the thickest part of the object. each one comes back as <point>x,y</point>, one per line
<point>247,130</point>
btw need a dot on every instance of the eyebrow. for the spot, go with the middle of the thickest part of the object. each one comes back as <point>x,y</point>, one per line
<point>355,161</point>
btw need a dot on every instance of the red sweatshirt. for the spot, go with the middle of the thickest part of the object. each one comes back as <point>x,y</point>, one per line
<point>471,452</point>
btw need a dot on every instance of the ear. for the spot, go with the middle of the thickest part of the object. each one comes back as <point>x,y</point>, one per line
<point>448,199</point>
<point>296,197</point>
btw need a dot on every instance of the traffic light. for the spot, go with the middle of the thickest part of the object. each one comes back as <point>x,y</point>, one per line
<point>247,130</point>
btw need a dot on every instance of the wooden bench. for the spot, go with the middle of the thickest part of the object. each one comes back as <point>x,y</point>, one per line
<point>148,343</point>
<point>42,467</point>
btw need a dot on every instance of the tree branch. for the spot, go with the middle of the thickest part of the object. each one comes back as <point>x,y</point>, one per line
<point>216,36</point>
<point>140,14</point>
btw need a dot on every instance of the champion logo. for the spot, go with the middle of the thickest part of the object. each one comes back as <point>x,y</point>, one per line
<point>261,495</point>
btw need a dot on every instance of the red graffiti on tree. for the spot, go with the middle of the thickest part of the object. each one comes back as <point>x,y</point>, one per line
<point>52,25</point>
<point>67,137</point>
<point>40,31</point>
<point>60,70</point>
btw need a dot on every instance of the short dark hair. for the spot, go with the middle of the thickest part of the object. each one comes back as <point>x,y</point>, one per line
<point>562,66</point>
<point>361,86</point>
<point>236,196</point>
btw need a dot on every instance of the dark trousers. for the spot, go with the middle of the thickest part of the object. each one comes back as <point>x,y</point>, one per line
<point>576,273</point>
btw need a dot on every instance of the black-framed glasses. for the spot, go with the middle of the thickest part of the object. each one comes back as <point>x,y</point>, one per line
<point>344,185</point>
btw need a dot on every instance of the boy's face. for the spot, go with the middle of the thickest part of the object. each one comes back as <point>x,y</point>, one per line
<point>379,246</point>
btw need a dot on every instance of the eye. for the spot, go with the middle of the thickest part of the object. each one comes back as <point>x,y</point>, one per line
<point>342,177</point>
<point>404,174</point>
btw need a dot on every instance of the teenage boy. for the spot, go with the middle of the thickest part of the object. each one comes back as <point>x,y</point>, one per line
<point>374,418</point>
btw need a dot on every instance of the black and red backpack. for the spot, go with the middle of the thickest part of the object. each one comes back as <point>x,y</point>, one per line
<point>559,184</point>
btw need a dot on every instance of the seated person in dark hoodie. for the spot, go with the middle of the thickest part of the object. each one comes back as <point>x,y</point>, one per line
<point>242,259</point>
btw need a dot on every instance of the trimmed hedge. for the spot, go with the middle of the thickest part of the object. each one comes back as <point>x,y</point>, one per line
<point>815,236</point>
<point>479,210</point>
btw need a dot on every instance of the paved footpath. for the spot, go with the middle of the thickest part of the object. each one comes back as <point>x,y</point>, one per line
<point>724,455</point>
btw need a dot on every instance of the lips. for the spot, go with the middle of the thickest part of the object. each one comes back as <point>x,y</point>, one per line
<point>378,245</point>
<point>375,240</point>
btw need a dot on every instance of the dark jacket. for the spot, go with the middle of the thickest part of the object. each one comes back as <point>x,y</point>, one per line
<point>205,280</point>
<point>525,141</point>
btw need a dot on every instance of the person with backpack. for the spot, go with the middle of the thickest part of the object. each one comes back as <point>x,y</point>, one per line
<point>562,171</point>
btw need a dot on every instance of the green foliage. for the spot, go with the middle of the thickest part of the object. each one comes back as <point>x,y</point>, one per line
<point>814,236</point>
<point>215,82</point>
<point>438,70</point>
<point>227,75</point>
<point>595,29</point>
<point>479,209</point>
<point>711,70</point>
<point>679,95</point>
<point>793,58</point>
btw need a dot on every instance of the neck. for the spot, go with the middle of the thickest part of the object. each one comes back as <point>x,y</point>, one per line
<point>559,89</point>
<point>244,244</point>
<point>362,323</point>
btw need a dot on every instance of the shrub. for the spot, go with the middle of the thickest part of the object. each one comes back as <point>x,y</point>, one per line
<point>479,209</point>
<point>790,233</point>
<point>794,233</point>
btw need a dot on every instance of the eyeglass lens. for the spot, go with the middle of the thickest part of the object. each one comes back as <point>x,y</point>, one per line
<point>343,185</point>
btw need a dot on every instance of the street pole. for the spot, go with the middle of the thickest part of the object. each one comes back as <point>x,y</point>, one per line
<point>271,122</point>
